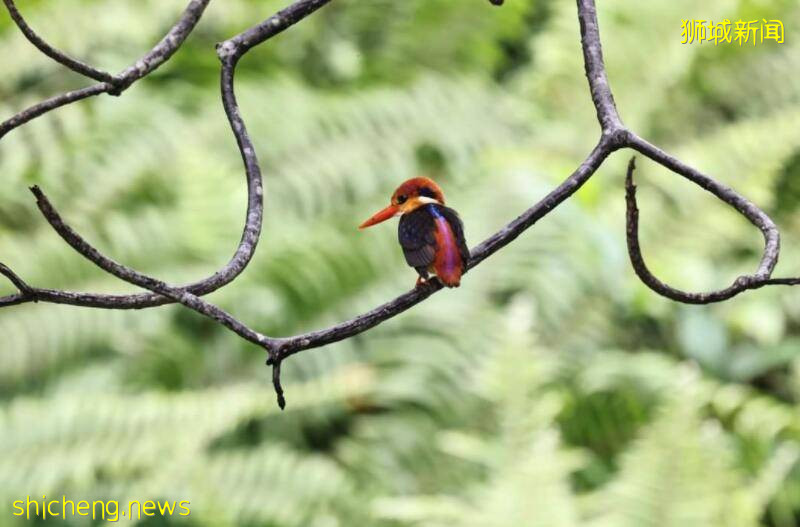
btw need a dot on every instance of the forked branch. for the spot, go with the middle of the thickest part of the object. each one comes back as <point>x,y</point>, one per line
<point>614,136</point>
<point>111,84</point>
<point>144,66</point>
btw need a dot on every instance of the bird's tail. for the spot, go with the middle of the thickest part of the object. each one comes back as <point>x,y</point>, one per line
<point>450,277</point>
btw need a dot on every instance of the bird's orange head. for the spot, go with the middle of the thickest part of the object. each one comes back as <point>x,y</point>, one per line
<point>412,194</point>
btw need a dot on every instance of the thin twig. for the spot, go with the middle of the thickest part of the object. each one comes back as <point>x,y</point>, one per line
<point>276,383</point>
<point>252,228</point>
<point>85,249</point>
<point>166,47</point>
<point>14,300</point>
<point>755,215</point>
<point>50,104</point>
<point>160,53</point>
<point>59,56</point>
<point>18,282</point>
<point>233,48</point>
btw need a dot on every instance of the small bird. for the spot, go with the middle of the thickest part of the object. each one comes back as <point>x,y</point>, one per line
<point>431,235</point>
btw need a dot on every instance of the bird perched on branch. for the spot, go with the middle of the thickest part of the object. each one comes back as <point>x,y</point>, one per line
<point>431,235</point>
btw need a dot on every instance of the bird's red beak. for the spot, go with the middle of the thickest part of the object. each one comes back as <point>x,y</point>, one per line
<point>378,217</point>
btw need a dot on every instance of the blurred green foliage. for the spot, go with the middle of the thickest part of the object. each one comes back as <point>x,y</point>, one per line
<point>551,389</point>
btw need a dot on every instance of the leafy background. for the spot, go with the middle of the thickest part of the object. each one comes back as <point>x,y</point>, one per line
<point>551,389</point>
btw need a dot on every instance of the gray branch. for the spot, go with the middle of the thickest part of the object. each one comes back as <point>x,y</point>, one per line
<point>111,84</point>
<point>58,56</point>
<point>144,66</point>
<point>614,136</point>
<point>77,242</point>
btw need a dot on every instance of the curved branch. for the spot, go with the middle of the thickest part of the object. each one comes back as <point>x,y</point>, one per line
<point>77,242</point>
<point>728,195</point>
<point>613,137</point>
<point>254,215</point>
<point>166,47</point>
<point>116,84</point>
<point>755,215</point>
<point>232,49</point>
<point>18,282</point>
<point>244,251</point>
<point>58,56</point>
<point>230,52</point>
<point>252,228</point>
<point>26,292</point>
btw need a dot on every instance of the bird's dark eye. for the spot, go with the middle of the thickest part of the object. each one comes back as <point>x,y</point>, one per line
<point>401,199</point>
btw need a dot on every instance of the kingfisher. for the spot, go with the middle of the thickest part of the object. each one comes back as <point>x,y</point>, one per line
<point>430,234</point>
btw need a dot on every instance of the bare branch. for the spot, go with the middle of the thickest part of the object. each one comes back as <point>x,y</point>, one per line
<point>232,49</point>
<point>779,281</point>
<point>728,195</point>
<point>370,319</point>
<point>14,300</point>
<point>614,136</point>
<point>161,52</point>
<point>18,282</point>
<point>129,275</point>
<point>51,104</point>
<point>116,84</point>
<point>595,68</point>
<point>58,56</point>
<point>252,228</point>
<point>276,383</point>
<point>26,292</point>
<point>755,215</point>
<point>230,52</point>
<point>165,293</point>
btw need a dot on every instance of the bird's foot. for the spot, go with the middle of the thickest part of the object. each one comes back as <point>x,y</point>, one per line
<point>421,282</point>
